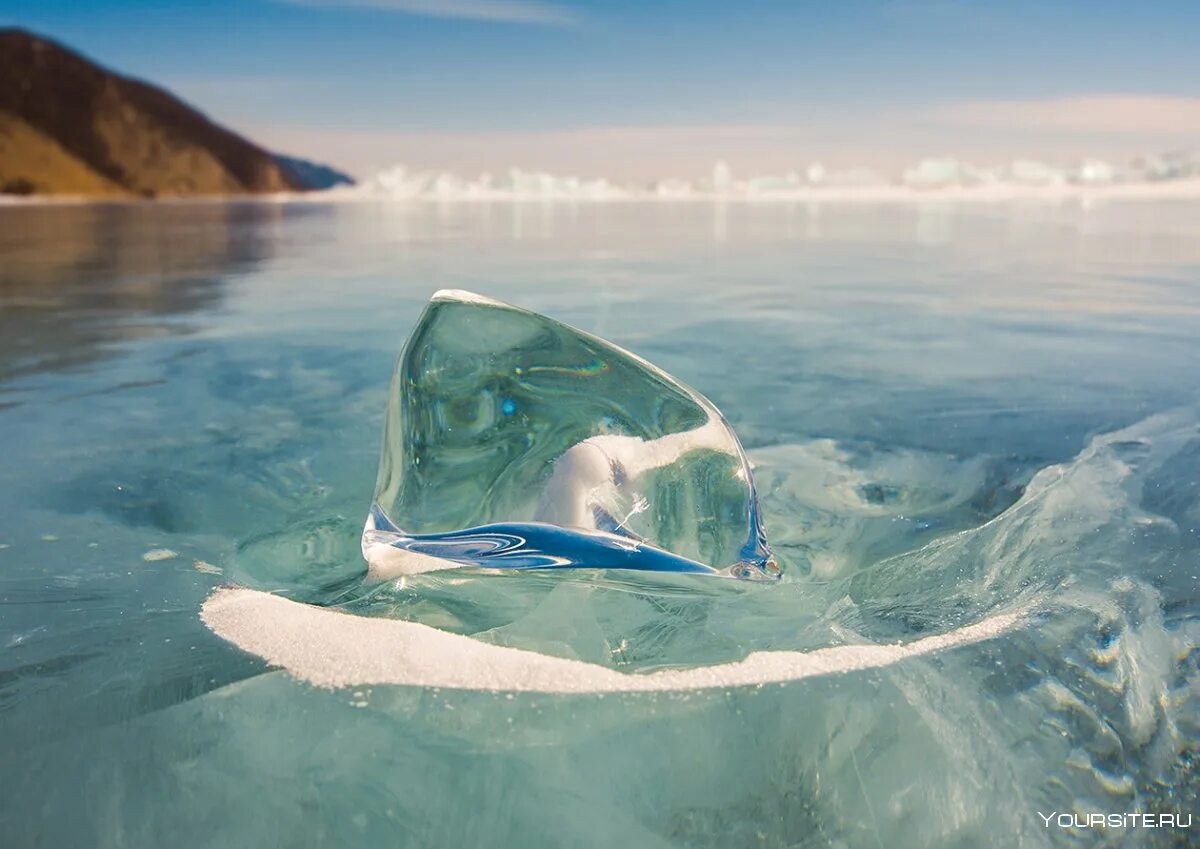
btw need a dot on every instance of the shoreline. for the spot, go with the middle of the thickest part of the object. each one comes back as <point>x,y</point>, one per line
<point>884,194</point>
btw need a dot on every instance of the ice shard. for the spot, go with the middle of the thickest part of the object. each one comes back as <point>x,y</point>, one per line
<point>513,441</point>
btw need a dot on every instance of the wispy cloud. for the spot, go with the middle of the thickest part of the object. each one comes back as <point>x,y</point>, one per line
<point>1096,114</point>
<point>499,11</point>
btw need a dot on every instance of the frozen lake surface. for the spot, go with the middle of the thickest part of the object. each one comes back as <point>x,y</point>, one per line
<point>958,414</point>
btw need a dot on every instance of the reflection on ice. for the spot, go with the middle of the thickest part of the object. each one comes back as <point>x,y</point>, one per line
<point>900,377</point>
<point>515,442</point>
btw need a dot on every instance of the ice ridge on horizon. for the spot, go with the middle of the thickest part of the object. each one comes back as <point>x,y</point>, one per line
<point>929,175</point>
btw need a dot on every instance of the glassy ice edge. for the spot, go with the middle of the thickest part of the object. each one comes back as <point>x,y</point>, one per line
<point>513,441</point>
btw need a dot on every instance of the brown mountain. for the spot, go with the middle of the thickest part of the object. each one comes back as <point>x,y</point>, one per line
<point>69,126</point>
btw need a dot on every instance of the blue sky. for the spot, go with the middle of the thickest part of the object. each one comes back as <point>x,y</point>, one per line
<point>639,89</point>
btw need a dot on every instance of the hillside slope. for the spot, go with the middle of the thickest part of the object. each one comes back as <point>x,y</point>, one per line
<point>32,163</point>
<point>69,126</point>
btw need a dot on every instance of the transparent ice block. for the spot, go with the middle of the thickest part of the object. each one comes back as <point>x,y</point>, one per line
<point>513,441</point>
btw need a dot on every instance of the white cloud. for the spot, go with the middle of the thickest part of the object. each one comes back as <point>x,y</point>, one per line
<point>499,11</point>
<point>1095,114</point>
